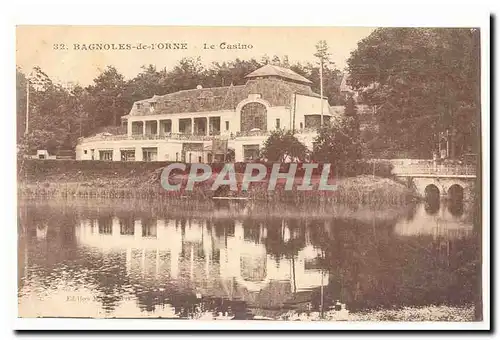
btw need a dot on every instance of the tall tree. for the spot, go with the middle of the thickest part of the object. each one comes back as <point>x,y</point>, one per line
<point>232,72</point>
<point>147,83</point>
<point>108,96</point>
<point>423,81</point>
<point>187,74</point>
<point>51,113</point>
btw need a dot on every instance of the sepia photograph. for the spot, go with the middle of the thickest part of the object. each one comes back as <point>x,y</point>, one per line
<point>329,174</point>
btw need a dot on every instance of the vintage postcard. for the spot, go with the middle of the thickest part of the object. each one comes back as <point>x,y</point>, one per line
<point>327,174</point>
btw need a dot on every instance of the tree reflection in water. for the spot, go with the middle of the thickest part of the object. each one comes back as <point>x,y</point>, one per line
<point>240,263</point>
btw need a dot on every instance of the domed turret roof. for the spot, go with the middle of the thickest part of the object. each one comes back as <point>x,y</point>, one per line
<point>277,71</point>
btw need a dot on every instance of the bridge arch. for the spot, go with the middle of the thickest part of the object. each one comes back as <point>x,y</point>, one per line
<point>457,189</point>
<point>432,192</point>
<point>456,193</point>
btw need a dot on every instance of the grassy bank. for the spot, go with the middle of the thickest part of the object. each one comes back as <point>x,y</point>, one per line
<point>91,179</point>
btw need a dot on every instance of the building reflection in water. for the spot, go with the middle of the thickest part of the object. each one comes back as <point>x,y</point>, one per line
<point>167,248</point>
<point>136,265</point>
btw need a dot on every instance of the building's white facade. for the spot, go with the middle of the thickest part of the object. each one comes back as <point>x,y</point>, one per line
<point>182,126</point>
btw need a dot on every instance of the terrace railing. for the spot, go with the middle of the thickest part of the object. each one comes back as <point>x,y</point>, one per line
<point>176,136</point>
<point>249,133</point>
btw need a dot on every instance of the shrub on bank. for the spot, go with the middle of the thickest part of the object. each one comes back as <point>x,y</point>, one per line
<point>377,168</point>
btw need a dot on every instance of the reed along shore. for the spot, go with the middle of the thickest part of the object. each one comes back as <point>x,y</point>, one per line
<point>97,179</point>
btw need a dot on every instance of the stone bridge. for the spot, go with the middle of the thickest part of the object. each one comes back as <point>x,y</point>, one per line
<point>456,182</point>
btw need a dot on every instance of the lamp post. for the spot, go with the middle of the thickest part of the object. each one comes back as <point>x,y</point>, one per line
<point>26,129</point>
<point>322,54</point>
<point>321,87</point>
<point>28,84</point>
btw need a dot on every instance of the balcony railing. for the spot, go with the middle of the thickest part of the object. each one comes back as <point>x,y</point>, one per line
<point>267,133</point>
<point>177,136</point>
<point>180,136</point>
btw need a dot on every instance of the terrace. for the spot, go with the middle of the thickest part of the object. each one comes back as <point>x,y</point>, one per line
<point>169,135</point>
<point>180,136</point>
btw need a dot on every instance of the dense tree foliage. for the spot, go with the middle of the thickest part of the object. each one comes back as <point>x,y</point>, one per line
<point>283,146</point>
<point>351,117</point>
<point>337,144</point>
<point>54,113</point>
<point>423,81</point>
<point>58,115</point>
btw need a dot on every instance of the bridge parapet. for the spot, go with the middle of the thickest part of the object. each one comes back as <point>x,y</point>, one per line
<point>436,170</point>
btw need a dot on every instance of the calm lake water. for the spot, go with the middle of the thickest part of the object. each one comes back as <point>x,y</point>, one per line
<point>112,258</point>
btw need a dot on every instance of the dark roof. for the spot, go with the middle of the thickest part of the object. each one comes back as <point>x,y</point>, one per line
<point>277,71</point>
<point>277,92</point>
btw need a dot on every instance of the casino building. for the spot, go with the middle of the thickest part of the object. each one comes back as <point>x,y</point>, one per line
<point>215,124</point>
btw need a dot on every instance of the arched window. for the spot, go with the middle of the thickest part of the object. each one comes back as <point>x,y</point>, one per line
<point>253,116</point>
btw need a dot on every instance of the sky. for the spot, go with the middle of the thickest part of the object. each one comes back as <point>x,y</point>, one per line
<point>59,50</point>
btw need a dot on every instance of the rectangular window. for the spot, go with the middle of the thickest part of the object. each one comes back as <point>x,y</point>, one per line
<point>312,121</point>
<point>127,155</point>
<point>126,226</point>
<point>149,227</point>
<point>251,152</point>
<point>149,154</point>
<point>227,125</point>
<point>106,155</point>
<point>85,152</point>
<point>105,225</point>
<point>277,123</point>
